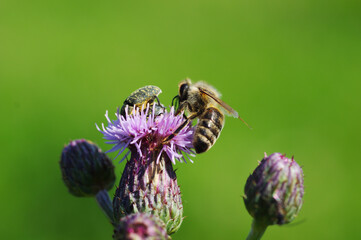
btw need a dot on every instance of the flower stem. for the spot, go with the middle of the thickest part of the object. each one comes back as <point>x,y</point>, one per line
<point>105,204</point>
<point>257,230</point>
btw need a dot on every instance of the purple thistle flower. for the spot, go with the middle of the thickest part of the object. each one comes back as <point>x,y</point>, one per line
<point>145,133</point>
<point>149,183</point>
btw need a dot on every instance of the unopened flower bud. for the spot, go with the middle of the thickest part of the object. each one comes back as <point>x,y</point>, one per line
<point>274,191</point>
<point>140,226</point>
<point>86,169</point>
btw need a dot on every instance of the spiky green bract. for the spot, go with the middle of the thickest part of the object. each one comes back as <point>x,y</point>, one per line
<point>274,191</point>
<point>150,187</point>
<point>86,170</point>
<point>140,226</point>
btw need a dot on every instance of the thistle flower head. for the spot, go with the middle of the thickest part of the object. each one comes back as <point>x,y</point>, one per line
<point>149,183</point>
<point>145,133</point>
<point>274,191</point>
<point>140,226</point>
<point>86,169</point>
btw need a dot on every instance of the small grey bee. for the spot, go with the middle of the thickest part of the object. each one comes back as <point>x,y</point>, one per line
<point>141,97</point>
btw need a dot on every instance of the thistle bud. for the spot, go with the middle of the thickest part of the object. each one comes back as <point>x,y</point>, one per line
<point>86,170</point>
<point>140,226</point>
<point>274,191</point>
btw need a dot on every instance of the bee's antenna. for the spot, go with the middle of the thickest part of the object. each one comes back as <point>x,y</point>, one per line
<point>244,122</point>
<point>175,100</point>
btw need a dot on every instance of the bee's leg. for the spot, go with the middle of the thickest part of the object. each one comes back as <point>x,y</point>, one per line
<point>183,106</point>
<point>193,116</point>
<point>157,106</point>
<point>158,102</point>
<point>156,97</point>
<point>170,137</point>
<point>183,125</point>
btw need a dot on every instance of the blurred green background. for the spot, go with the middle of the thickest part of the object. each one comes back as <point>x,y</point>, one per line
<point>292,69</point>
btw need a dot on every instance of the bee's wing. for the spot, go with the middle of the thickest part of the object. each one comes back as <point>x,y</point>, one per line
<point>225,106</point>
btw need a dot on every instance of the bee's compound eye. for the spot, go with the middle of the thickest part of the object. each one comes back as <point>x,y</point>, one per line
<point>183,91</point>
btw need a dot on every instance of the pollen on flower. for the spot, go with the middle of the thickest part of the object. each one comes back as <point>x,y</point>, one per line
<point>144,134</point>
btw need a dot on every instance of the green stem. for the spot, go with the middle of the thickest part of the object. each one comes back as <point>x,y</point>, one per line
<point>105,204</point>
<point>257,230</point>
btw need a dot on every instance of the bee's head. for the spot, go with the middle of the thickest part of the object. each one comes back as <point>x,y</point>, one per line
<point>183,90</point>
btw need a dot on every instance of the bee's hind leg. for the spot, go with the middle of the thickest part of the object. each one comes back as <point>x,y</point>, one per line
<point>183,125</point>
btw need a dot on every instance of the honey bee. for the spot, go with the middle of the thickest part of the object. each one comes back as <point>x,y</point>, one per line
<point>141,97</point>
<point>202,101</point>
